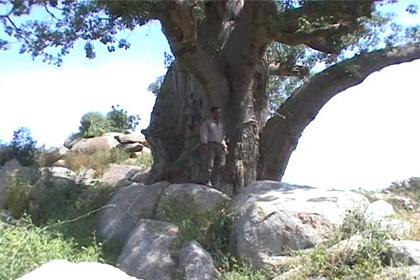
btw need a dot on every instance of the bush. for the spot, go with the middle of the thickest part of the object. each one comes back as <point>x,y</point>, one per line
<point>120,120</point>
<point>93,124</point>
<point>26,247</point>
<point>16,197</point>
<point>367,261</point>
<point>22,147</point>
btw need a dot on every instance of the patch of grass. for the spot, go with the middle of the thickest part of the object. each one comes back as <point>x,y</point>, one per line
<point>365,261</point>
<point>414,219</point>
<point>26,247</point>
<point>144,159</point>
<point>99,161</point>
<point>233,269</point>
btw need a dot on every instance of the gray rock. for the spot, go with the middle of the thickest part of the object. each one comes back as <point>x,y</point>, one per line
<point>131,138</point>
<point>405,272</point>
<point>397,228</point>
<point>275,218</point>
<point>131,147</point>
<point>62,269</point>
<point>91,145</point>
<point>60,163</point>
<point>118,175</point>
<point>189,198</point>
<point>148,252</point>
<point>195,263</point>
<point>126,208</point>
<point>379,210</point>
<point>404,252</point>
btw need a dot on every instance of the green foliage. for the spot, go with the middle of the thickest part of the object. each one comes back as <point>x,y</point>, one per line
<point>26,247</point>
<point>22,147</point>
<point>16,197</point>
<point>93,124</point>
<point>120,121</point>
<point>156,85</point>
<point>232,268</point>
<point>365,262</point>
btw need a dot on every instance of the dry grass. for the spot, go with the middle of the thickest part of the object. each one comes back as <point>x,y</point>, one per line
<point>99,161</point>
<point>414,219</point>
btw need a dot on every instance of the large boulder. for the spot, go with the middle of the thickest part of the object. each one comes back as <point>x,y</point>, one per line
<point>125,209</point>
<point>187,199</point>
<point>149,251</point>
<point>379,210</point>
<point>274,218</point>
<point>91,145</point>
<point>404,252</point>
<point>119,175</point>
<point>131,138</point>
<point>401,272</point>
<point>64,270</point>
<point>381,213</point>
<point>195,263</point>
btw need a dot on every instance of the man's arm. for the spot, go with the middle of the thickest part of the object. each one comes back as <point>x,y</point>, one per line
<point>204,133</point>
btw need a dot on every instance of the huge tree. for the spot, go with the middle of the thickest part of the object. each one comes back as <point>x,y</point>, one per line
<point>236,54</point>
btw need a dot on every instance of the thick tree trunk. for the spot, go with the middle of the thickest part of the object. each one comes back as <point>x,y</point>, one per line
<point>220,62</point>
<point>234,79</point>
<point>281,134</point>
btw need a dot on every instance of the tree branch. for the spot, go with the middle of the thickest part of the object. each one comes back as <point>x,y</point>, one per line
<point>180,27</point>
<point>305,103</point>
<point>288,69</point>
<point>317,24</point>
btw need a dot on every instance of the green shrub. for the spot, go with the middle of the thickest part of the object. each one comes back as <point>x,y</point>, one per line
<point>366,262</point>
<point>232,268</point>
<point>16,198</point>
<point>24,248</point>
<point>22,148</point>
<point>120,120</point>
<point>93,124</point>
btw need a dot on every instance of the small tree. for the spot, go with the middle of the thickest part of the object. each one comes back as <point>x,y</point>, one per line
<point>93,124</point>
<point>120,120</point>
<point>23,146</point>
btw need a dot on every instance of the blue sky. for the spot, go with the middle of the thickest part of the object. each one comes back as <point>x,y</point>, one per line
<point>367,136</point>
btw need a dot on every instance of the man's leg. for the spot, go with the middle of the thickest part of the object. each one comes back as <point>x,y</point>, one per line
<point>219,161</point>
<point>210,161</point>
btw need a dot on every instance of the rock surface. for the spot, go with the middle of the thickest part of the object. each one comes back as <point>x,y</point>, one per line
<point>189,198</point>
<point>148,252</point>
<point>195,263</point>
<point>64,270</point>
<point>91,145</point>
<point>277,217</point>
<point>128,205</point>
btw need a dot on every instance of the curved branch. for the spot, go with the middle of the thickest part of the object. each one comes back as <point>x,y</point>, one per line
<point>305,103</point>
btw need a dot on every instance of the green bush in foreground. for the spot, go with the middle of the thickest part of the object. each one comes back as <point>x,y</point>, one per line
<point>24,248</point>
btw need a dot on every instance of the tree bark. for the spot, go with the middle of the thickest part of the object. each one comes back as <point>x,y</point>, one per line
<point>281,134</point>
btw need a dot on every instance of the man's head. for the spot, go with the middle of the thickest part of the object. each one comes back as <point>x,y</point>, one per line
<point>216,113</point>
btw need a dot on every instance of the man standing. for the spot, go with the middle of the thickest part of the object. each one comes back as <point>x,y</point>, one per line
<point>213,144</point>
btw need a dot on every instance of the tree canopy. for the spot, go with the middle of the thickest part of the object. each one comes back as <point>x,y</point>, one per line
<point>236,54</point>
